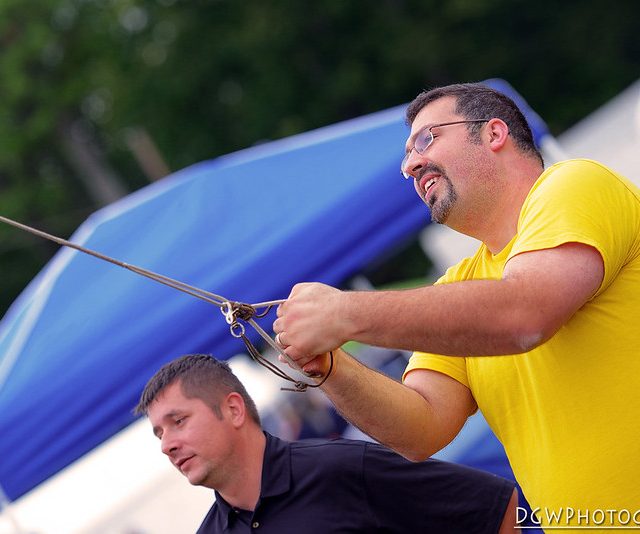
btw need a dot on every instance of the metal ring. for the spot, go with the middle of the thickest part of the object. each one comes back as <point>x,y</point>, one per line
<point>237,330</point>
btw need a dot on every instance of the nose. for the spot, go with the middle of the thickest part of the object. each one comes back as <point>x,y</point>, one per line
<point>168,444</point>
<point>413,163</point>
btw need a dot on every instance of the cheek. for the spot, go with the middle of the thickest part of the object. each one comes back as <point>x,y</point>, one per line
<point>206,440</point>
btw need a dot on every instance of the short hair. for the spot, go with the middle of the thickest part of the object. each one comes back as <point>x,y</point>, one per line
<point>478,101</point>
<point>201,376</point>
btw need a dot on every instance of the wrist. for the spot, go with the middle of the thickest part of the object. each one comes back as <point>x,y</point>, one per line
<point>350,315</point>
<point>340,359</point>
<point>329,369</point>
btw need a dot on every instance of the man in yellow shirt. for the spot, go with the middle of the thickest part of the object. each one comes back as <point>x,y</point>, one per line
<point>540,329</point>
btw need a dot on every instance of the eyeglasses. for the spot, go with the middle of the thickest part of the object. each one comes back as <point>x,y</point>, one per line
<point>423,140</point>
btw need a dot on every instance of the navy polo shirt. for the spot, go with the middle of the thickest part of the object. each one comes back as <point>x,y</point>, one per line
<point>330,486</point>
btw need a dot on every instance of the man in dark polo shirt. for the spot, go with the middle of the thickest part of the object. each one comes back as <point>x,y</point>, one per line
<point>210,429</point>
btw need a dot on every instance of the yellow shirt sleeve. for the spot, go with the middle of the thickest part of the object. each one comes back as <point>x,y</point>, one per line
<point>575,204</point>
<point>455,367</point>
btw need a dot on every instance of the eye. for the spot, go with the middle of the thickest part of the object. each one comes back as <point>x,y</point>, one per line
<point>179,421</point>
<point>423,140</point>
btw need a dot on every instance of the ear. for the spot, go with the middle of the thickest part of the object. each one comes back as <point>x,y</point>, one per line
<point>498,133</point>
<point>235,408</point>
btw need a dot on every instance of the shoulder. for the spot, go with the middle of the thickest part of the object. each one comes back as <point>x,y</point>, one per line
<point>445,496</point>
<point>579,194</point>
<point>398,472</point>
<point>327,451</point>
<point>576,176</point>
<point>577,166</point>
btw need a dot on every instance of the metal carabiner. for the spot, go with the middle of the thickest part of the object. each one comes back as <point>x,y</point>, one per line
<point>229,313</point>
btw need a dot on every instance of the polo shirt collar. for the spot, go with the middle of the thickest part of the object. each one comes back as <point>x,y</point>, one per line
<point>224,509</point>
<point>276,467</point>
<point>276,476</point>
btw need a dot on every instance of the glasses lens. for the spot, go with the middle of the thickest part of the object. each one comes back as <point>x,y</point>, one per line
<point>423,140</point>
<point>403,165</point>
<point>420,144</point>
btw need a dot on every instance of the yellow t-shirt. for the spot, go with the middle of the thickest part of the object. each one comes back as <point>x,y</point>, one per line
<point>568,412</point>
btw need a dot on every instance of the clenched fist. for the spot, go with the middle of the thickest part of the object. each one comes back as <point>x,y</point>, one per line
<point>311,323</point>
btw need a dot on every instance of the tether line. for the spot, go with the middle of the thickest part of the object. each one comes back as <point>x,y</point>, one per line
<point>233,311</point>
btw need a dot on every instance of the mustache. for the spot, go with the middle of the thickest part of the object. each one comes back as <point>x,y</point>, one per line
<point>429,168</point>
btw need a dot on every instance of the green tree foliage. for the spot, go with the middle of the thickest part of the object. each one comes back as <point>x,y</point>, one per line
<point>204,78</point>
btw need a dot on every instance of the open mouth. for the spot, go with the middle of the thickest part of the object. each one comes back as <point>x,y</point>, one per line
<point>426,187</point>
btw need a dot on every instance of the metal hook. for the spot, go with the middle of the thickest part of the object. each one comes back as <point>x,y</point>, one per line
<point>228,312</point>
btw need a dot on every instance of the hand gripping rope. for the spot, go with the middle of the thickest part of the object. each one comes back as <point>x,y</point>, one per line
<point>234,312</point>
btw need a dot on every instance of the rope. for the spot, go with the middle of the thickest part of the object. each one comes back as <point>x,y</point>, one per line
<point>233,311</point>
<point>236,310</point>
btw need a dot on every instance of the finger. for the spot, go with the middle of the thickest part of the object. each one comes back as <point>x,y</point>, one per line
<point>277,326</point>
<point>279,341</point>
<point>295,357</point>
<point>317,367</point>
<point>289,361</point>
<point>311,372</point>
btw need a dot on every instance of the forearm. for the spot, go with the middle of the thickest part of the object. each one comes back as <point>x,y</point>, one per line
<point>468,319</point>
<point>537,294</point>
<point>471,318</point>
<point>388,411</point>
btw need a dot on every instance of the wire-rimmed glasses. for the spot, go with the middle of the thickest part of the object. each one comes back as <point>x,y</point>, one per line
<point>423,140</point>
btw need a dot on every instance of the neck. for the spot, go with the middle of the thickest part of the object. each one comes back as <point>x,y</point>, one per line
<point>243,491</point>
<point>496,223</point>
<point>503,225</point>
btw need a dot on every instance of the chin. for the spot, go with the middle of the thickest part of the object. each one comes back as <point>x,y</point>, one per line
<point>196,479</point>
<point>439,216</point>
<point>440,211</point>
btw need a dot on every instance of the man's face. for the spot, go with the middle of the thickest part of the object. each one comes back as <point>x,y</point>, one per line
<point>196,440</point>
<point>441,171</point>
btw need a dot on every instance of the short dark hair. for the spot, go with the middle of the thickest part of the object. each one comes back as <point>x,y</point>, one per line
<point>201,376</point>
<point>478,101</point>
